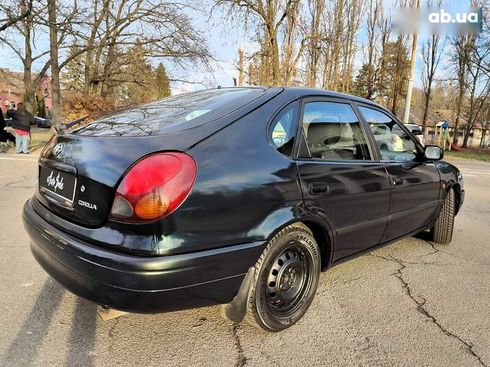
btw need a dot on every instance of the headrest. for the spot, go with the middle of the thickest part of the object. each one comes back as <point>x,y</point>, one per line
<point>326,133</point>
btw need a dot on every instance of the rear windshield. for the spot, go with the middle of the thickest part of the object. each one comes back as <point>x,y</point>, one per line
<point>183,111</point>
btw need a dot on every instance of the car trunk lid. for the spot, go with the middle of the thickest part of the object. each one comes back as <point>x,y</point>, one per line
<point>78,175</point>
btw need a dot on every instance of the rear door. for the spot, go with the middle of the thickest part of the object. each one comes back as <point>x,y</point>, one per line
<point>341,181</point>
<point>415,183</point>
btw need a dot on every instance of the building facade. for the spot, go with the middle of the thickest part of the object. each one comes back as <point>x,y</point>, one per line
<point>12,90</point>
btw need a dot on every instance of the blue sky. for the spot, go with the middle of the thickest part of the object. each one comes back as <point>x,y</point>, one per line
<point>224,38</point>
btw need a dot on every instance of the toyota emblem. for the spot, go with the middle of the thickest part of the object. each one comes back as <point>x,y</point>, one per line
<point>58,148</point>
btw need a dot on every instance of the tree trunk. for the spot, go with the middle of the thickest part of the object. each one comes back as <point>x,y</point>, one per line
<point>274,52</point>
<point>467,134</point>
<point>313,48</point>
<point>29,90</point>
<point>55,71</point>
<point>397,86</point>
<point>482,140</point>
<point>459,105</point>
<point>426,112</point>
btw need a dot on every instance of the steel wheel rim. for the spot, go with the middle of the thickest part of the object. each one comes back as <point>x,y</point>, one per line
<point>289,280</point>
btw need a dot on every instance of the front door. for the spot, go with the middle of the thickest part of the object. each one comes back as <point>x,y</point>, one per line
<point>415,183</point>
<point>340,180</point>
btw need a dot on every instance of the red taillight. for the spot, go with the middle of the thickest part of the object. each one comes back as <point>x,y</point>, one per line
<point>154,187</point>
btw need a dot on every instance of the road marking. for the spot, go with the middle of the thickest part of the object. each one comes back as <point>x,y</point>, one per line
<point>17,159</point>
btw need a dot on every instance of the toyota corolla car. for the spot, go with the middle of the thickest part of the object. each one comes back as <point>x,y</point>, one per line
<point>235,196</point>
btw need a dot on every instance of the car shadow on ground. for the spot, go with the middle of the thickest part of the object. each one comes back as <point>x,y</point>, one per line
<point>424,235</point>
<point>81,340</point>
<point>23,349</point>
<point>24,346</point>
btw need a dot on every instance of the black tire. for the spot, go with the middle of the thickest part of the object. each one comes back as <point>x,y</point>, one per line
<point>286,279</point>
<point>442,232</point>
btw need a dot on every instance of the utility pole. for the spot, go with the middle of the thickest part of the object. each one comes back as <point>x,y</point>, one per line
<point>406,115</point>
<point>240,66</point>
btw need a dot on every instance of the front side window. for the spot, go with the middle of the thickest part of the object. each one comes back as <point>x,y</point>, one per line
<point>333,132</point>
<point>393,142</point>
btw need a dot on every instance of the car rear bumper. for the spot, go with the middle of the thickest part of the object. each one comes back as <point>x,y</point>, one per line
<point>135,283</point>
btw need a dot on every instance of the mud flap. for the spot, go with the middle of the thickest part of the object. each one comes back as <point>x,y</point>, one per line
<point>235,310</point>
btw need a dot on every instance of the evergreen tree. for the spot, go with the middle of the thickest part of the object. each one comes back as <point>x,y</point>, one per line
<point>391,86</point>
<point>72,77</point>
<point>163,83</point>
<point>361,85</point>
<point>139,77</point>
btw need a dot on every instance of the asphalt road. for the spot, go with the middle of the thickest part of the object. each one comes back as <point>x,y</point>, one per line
<point>408,304</point>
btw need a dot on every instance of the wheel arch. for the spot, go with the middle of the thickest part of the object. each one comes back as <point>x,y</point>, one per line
<point>323,239</point>
<point>457,193</point>
<point>321,232</point>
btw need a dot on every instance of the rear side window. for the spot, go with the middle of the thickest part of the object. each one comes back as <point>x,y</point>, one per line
<point>283,129</point>
<point>180,112</point>
<point>333,132</point>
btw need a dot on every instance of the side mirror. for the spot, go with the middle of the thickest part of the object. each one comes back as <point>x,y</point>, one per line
<point>433,152</point>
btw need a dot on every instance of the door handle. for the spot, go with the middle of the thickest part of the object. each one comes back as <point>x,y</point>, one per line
<point>318,188</point>
<point>397,181</point>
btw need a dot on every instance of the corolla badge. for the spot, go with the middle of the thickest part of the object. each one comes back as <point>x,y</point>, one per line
<point>55,182</point>
<point>58,148</point>
<point>87,204</point>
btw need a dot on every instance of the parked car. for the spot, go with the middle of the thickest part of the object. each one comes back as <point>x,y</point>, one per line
<point>416,130</point>
<point>235,196</point>
<point>41,122</point>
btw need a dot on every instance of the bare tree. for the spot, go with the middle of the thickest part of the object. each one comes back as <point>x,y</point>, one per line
<point>462,45</point>
<point>354,12</point>
<point>10,18</point>
<point>332,45</point>
<point>431,56</point>
<point>291,35</point>
<point>26,30</point>
<point>479,87</point>
<point>271,17</point>
<point>339,43</point>
<point>316,10</point>
<point>161,27</point>
<point>374,19</point>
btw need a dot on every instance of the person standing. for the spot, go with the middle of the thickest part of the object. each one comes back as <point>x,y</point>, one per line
<point>21,122</point>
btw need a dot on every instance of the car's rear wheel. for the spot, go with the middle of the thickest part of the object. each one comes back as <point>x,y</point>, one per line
<point>286,278</point>
<point>442,232</point>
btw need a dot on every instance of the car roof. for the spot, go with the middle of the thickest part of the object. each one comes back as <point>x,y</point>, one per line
<point>299,92</point>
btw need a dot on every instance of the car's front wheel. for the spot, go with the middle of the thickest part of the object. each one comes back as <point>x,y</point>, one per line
<point>442,232</point>
<point>286,278</point>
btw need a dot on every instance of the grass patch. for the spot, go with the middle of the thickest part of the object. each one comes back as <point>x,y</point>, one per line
<point>481,154</point>
<point>39,137</point>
